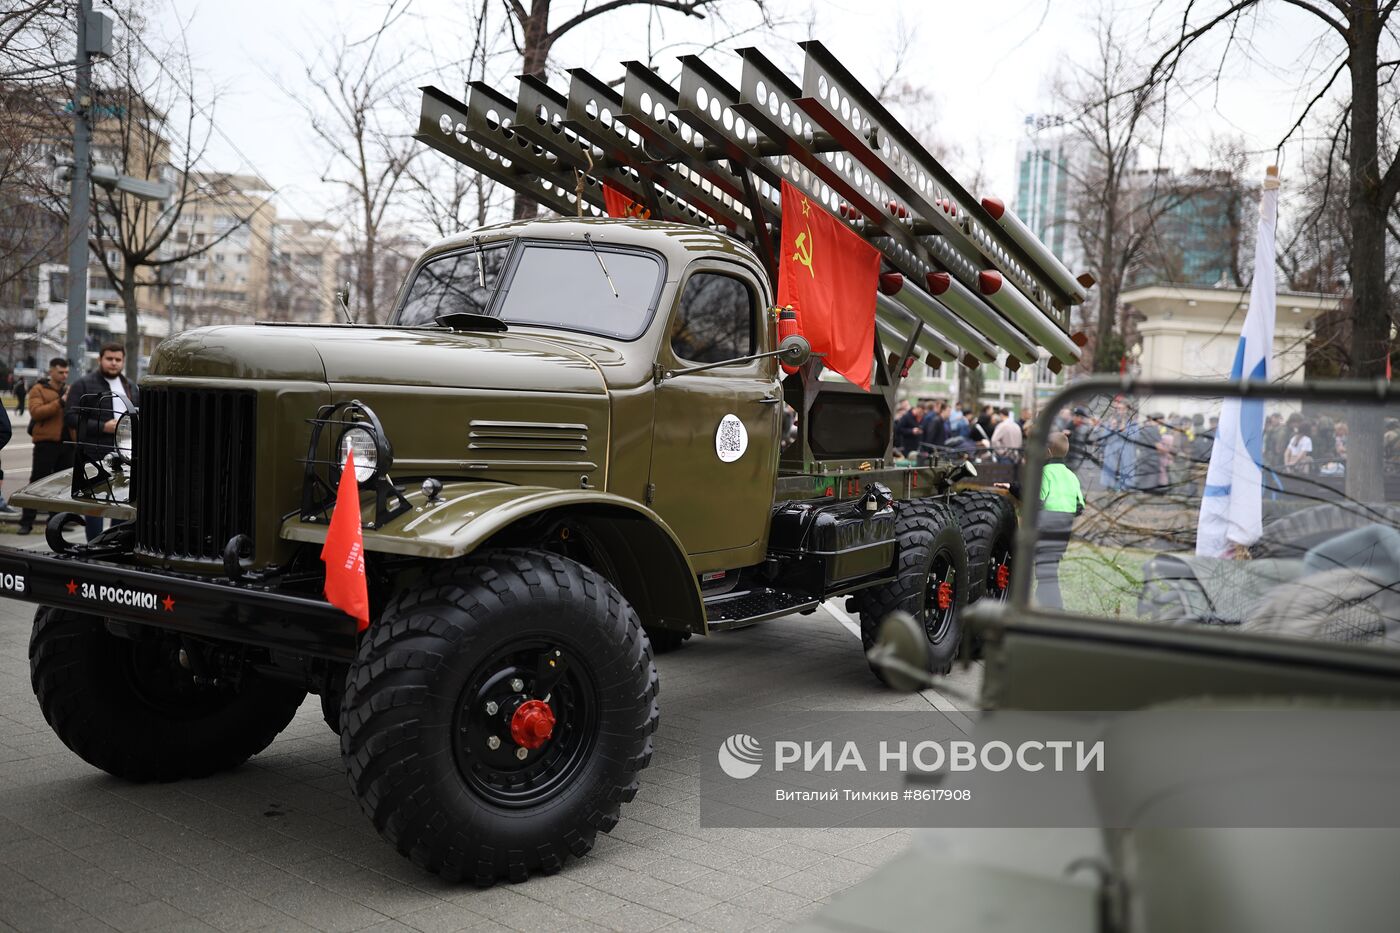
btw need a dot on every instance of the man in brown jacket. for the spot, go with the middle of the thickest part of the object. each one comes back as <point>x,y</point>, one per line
<point>51,454</point>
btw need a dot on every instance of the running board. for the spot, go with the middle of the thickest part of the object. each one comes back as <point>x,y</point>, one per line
<point>736,610</point>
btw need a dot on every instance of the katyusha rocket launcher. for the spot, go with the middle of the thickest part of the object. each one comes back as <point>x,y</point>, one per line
<point>965,279</point>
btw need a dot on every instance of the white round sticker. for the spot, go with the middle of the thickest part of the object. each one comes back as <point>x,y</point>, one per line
<point>731,440</point>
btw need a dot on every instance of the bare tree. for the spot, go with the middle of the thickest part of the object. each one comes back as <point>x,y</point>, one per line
<point>1111,114</point>
<point>33,34</point>
<point>152,122</point>
<point>358,120</point>
<point>1362,36</point>
<point>449,196</point>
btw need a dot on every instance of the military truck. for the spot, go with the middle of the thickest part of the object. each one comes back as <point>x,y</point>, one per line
<point>568,441</point>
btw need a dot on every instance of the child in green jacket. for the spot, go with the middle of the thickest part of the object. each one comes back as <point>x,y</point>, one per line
<point>1061,499</point>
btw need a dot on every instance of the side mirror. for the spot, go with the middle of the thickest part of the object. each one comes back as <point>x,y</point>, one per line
<point>795,350</point>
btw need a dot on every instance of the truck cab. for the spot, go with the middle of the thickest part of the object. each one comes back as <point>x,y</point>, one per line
<point>644,299</point>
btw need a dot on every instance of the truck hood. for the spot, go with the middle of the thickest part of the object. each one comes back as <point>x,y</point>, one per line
<point>342,354</point>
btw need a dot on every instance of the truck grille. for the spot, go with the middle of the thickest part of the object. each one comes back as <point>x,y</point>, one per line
<point>193,471</point>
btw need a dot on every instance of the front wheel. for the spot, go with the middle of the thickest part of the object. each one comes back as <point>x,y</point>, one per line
<point>499,714</point>
<point>154,706</point>
<point>931,584</point>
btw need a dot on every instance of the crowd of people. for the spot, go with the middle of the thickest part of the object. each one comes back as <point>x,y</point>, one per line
<point>1121,449</point>
<point>927,429</point>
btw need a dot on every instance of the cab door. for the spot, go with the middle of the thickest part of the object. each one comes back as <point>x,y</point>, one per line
<point>715,436</point>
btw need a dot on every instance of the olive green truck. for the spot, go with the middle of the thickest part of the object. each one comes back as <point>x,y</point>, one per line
<point>576,443</point>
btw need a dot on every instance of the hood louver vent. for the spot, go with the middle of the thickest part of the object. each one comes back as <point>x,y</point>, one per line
<point>527,436</point>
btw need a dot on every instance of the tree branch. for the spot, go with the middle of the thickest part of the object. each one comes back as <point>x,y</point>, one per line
<point>688,7</point>
<point>1312,103</point>
<point>1340,28</point>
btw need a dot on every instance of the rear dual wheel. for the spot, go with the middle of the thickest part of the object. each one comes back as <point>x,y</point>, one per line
<point>988,523</point>
<point>499,714</point>
<point>931,584</point>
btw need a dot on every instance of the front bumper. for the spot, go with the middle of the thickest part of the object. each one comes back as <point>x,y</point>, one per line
<point>247,613</point>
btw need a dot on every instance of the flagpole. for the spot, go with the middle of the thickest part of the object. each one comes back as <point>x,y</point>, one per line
<point>1232,502</point>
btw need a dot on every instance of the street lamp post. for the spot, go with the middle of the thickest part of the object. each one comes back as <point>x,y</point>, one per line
<point>94,39</point>
<point>78,204</point>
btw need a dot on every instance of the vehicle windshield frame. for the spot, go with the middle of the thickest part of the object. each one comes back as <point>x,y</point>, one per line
<point>516,248</point>
<point>1020,606</point>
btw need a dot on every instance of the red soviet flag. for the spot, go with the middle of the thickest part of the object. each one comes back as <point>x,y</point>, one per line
<point>620,205</point>
<point>344,550</point>
<point>829,275</point>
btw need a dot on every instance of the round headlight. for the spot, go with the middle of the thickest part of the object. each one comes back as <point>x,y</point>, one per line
<point>361,441</point>
<point>124,439</point>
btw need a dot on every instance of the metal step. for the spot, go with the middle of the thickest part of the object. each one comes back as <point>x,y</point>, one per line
<point>735,610</point>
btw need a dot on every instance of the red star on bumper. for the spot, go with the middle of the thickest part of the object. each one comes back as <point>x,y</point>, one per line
<point>169,603</point>
<point>72,588</point>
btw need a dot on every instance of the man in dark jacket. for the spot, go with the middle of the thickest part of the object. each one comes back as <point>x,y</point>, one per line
<point>96,403</point>
<point>934,429</point>
<point>47,427</point>
<point>906,430</point>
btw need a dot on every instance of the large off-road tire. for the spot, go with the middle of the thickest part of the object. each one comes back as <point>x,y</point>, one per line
<point>435,682</point>
<point>1294,534</point>
<point>129,707</point>
<point>988,523</point>
<point>931,555</point>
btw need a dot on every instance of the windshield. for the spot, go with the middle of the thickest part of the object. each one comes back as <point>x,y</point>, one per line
<point>1263,516</point>
<point>558,285</point>
<point>454,283</point>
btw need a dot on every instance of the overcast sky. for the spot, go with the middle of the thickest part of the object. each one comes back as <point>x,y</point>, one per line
<point>988,65</point>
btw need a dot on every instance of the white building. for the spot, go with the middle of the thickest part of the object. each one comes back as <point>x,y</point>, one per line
<point>1190,332</point>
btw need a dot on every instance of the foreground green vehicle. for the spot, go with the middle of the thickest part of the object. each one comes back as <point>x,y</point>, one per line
<point>1307,626</point>
<point>570,447</point>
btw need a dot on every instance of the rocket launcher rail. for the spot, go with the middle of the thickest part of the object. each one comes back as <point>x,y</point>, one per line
<point>708,153</point>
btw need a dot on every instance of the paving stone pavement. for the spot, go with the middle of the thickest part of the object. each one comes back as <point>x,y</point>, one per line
<point>281,845</point>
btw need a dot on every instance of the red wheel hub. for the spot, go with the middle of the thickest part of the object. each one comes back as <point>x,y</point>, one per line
<point>532,724</point>
<point>944,594</point>
<point>1003,576</point>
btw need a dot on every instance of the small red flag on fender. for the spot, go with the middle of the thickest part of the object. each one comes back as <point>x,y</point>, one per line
<point>620,205</point>
<point>344,550</point>
<point>829,276</point>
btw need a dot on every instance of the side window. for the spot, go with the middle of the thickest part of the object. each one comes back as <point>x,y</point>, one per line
<point>716,319</point>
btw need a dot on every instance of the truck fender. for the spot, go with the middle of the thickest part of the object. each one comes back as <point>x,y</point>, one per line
<point>645,560</point>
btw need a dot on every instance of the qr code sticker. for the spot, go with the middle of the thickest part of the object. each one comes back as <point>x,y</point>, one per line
<point>731,440</point>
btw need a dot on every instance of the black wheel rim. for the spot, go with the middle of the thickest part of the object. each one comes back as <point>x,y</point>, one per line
<point>496,774</point>
<point>936,619</point>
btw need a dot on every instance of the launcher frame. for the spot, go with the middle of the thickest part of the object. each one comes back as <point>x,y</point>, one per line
<point>708,153</point>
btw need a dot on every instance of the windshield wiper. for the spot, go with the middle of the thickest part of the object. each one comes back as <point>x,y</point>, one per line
<point>480,263</point>
<point>588,238</point>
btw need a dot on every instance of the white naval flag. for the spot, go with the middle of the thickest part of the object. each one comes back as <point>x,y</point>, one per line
<point>1232,502</point>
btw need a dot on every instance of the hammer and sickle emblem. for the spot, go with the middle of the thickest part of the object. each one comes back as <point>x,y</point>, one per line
<point>804,251</point>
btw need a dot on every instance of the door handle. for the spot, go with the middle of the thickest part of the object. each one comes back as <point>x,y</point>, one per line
<point>769,400</point>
